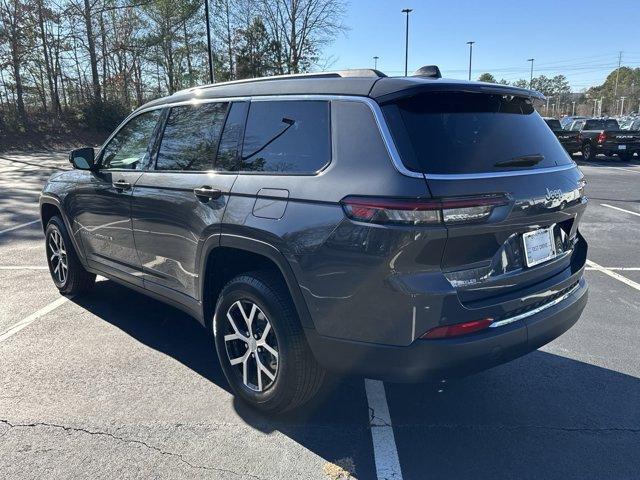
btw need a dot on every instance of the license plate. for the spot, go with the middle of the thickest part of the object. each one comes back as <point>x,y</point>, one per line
<point>622,147</point>
<point>539,246</point>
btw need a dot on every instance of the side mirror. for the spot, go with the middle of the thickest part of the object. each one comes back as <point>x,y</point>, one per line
<point>82,158</point>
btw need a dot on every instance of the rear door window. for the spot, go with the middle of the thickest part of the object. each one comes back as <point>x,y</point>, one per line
<point>464,132</point>
<point>190,137</point>
<point>288,136</point>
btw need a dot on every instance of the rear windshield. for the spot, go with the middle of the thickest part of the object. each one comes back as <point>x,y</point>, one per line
<point>602,125</point>
<point>554,124</point>
<point>461,132</point>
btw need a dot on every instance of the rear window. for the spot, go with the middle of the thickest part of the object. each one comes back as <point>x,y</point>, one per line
<point>554,124</point>
<point>602,125</point>
<point>460,132</point>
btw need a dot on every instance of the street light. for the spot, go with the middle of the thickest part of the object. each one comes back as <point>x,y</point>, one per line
<point>406,40</point>
<point>622,105</point>
<point>206,14</point>
<point>531,77</point>
<point>470,56</point>
<point>375,62</point>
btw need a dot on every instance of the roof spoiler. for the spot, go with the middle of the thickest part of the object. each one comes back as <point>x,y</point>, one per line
<point>428,71</point>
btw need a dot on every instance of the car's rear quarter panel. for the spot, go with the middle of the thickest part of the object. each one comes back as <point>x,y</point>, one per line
<point>350,275</point>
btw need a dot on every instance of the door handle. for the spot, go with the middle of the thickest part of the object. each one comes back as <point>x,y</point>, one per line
<point>207,192</point>
<point>121,185</point>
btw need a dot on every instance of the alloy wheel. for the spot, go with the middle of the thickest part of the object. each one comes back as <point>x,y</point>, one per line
<point>251,345</point>
<point>58,260</point>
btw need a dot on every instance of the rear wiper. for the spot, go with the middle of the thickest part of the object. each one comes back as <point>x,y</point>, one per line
<point>523,161</point>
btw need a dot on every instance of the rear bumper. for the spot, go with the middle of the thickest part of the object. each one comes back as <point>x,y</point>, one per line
<point>447,358</point>
<point>613,148</point>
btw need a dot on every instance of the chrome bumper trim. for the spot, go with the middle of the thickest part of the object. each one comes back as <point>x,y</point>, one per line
<point>539,309</point>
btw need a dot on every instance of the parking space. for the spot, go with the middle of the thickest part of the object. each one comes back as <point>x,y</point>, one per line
<point>115,384</point>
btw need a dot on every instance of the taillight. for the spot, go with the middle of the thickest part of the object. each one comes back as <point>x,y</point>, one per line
<point>458,329</point>
<point>402,211</point>
<point>602,137</point>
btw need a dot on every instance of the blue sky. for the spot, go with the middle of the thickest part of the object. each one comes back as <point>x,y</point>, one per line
<point>562,36</point>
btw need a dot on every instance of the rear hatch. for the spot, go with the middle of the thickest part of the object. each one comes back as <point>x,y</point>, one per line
<point>623,137</point>
<point>474,146</point>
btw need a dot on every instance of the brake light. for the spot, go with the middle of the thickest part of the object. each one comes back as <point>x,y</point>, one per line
<point>602,137</point>
<point>458,329</point>
<point>402,211</point>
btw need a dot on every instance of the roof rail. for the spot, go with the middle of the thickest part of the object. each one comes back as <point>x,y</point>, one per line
<point>360,72</point>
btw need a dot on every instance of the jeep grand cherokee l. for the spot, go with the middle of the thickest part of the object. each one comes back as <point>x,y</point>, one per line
<point>396,228</point>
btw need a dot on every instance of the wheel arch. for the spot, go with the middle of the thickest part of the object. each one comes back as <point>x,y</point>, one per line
<point>226,256</point>
<point>51,206</point>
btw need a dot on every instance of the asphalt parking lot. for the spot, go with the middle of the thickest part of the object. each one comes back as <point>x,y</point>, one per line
<point>116,385</point>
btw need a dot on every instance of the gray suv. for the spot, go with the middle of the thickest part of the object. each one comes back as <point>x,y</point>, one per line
<point>404,229</point>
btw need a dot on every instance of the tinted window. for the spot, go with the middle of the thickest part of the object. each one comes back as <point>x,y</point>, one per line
<point>554,124</point>
<point>459,132</point>
<point>286,136</point>
<point>231,136</point>
<point>190,137</point>
<point>602,125</point>
<point>130,148</point>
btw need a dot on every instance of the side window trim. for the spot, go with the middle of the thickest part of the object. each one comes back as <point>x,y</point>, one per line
<point>162,123</point>
<point>124,123</point>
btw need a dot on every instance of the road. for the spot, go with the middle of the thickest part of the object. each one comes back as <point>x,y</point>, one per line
<point>116,385</point>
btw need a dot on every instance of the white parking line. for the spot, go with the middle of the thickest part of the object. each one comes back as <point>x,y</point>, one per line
<point>620,269</point>
<point>385,452</point>
<point>621,209</point>
<point>613,274</point>
<point>12,330</point>
<point>11,229</point>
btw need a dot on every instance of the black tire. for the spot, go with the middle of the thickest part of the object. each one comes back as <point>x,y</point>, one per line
<point>76,279</point>
<point>298,377</point>
<point>588,153</point>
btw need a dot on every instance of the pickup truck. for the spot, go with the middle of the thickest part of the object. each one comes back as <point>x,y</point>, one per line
<point>568,139</point>
<point>597,135</point>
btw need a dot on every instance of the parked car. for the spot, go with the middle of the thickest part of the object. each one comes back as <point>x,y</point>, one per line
<point>632,124</point>
<point>568,139</point>
<point>604,136</point>
<point>347,222</point>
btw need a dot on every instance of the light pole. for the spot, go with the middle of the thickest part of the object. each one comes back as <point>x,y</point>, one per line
<point>206,14</point>
<point>470,56</point>
<point>573,110</point>
<point>531,77</point>
<point>375,62</point>
<point>622,105</point>
<point>406,40</point>
<point>595,102</point>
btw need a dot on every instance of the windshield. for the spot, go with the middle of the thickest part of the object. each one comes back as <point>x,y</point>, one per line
<point>464,132</point>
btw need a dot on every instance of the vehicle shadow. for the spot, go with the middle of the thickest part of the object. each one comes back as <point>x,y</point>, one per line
<point>334,426</point>
<point>542,416</point>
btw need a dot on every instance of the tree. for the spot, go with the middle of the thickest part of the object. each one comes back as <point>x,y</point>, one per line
<point>301,28</point>
<point>487,77</point>
<point>256,55</point>
<point>14,16</point>
<point>521,83</point>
